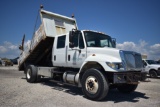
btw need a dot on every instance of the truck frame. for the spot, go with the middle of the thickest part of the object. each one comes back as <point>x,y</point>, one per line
<point>82,58</point>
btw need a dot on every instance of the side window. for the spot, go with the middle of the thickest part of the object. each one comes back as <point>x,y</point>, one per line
<point>61,42</point>
<point>104,42</point>
<point>91,43</point>
<point>144,63</point>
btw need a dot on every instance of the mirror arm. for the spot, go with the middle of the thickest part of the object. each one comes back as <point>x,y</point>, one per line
<point>79,50</point>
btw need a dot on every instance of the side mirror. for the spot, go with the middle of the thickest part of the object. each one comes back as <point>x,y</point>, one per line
<point>71,37</point>
<point>71,45</point>
<point>114,42</point>
<point>145,64</point>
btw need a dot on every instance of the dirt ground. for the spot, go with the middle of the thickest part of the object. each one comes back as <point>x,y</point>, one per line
<point>15,91</point>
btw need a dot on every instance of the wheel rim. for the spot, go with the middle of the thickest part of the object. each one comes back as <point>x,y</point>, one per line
<point>91,85</point>
<point>28,73</point>
<point>152,74</point>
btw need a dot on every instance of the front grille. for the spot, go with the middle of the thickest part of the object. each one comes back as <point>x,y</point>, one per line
<point>138,60</point>
<point>132,61</point>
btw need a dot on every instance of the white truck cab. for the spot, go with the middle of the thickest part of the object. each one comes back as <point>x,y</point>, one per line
<point>82,58</point>
<point>81,49</point>
<point>152,68</point>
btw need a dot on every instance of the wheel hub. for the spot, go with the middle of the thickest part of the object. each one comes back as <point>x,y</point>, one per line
<point>91,85</point>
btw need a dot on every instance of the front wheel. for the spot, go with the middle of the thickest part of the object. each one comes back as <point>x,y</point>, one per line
<point>94,85</point>
<point>127,88</point>
<point>153,74</point>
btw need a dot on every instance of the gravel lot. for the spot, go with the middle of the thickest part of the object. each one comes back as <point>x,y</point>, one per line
<point>16,92</point>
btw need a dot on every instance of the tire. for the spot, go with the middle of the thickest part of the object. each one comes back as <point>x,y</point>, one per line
<point>94,85</point>
<point>127,88</point>
<point>153,74</point>
<point>31,74</point>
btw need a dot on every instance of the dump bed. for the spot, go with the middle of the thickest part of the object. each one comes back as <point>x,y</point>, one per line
<point>42,42</point>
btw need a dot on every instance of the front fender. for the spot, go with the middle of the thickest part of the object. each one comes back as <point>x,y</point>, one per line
<point>96,60</point>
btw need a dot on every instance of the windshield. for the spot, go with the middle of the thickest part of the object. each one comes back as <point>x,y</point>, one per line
<point>94,39</point>
<point>151,62</point>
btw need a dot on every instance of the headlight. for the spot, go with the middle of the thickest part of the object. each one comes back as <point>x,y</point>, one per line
<point>116,66</point>
<point>112,65</point>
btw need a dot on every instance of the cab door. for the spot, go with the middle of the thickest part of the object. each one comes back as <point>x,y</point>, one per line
<point>59,51</point>
<point>76,55</point>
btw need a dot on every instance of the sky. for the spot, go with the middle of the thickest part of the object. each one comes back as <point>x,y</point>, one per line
<point>134,23</point>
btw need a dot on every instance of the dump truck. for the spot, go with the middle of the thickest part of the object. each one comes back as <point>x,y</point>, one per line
<point>81,58</point>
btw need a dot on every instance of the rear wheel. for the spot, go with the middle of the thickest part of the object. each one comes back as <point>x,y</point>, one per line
<point>127,88</point>
<point>153,74</point>
<point>31,74</point>
<point>94,85</point>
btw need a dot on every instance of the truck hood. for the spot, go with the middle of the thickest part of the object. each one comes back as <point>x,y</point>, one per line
<point>112,53</point>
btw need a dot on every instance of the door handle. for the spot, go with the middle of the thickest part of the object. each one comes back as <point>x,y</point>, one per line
<point>69,57</point>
